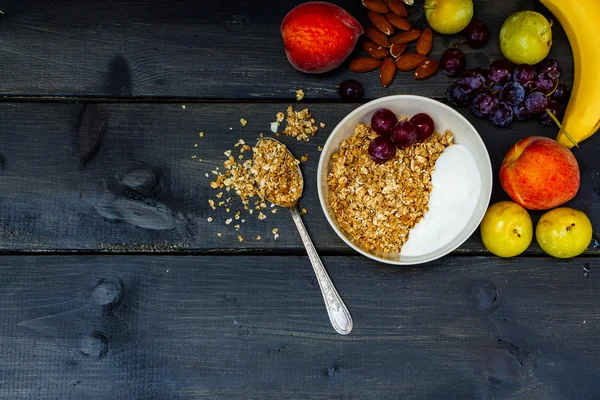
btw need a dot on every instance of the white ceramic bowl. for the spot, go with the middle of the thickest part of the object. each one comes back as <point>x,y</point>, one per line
<point>445,118</point>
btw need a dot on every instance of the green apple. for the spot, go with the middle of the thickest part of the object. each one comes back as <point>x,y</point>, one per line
<point>448,16</point>
<point>526,37</point>
<point>506,229</point>
<point>564,232</point>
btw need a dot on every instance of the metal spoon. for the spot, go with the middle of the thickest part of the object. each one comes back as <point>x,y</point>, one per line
<point>336,309</point>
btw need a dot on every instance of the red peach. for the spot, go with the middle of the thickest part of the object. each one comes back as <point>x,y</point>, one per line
<point>539,173</point>
<point>319,36</point>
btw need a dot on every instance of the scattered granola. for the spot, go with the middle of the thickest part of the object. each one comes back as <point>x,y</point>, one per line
<point>276,173</point>
<point>378,204</point>
<point>243,121</point>
<point>299,94</point>
<point>304,211</point>
<point>238,177</point>
<point>201,134</point>
<point>300,124</point>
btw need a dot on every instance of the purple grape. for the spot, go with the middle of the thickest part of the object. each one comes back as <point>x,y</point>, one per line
<point>502,116</point>
<point>549,66</point>
<point>383,122</point>
<point>513,93</point>
<point>424,124</point>
<point>350,90</point>
<point>545,83</point>
<point>405,134</point>
<point>484,104</point>
<point>452,62</point>
<point>524,74</point>
<point>476,34</point>
<point>381,149</point>
<point>457,97</point>
<point>520,113</point>
<point>555,109</point>
<point>561,94</point>
<point>471,81</point>
<point>536,103</point>
<point>485,72</point>
<point>501,72</point>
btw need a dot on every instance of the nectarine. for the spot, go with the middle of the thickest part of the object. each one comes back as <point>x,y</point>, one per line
<point>539,173</point>
<point>319,36</point>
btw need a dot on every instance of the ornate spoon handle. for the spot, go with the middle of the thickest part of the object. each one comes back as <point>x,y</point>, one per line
<point>338,313</point>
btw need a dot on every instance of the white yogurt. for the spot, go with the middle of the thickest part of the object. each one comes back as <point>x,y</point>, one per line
<point>456,187</point>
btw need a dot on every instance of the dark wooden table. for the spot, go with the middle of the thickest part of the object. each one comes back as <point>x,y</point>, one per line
<point>152,304</point>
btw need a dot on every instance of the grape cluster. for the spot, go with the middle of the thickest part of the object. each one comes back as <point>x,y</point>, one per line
<point>504,92</point>
<point>393,133</point>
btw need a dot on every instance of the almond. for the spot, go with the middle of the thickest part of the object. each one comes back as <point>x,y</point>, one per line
<point>387,71</point>
<point>373,49</point>
<point>425,42</point>
<point>427,69</point>
<point>376,5</point>
<point>397,7</point>
<point>398,22</point>
<point>407,36</point>
<point>408,62</point>
<point>381,22</point>
<point>364,64</point>
<point>397,49</point>
<point>377,36</point>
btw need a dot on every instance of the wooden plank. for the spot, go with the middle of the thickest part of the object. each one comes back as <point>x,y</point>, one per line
<point>205,49</point>
<point>58,157</point>
<point>254,327</point>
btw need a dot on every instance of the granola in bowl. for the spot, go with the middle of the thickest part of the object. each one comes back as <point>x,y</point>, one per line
<point>377,204</point>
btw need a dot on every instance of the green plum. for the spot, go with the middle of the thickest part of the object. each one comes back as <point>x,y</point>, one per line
<point>526,37</point>
<point>448,16</point>
<point>564,232</point>
<point>506,229</point>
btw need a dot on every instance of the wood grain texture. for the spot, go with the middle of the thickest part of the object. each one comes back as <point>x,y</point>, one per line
<point>68,171</point>
<point>127,327</point>
<point>205,49</point>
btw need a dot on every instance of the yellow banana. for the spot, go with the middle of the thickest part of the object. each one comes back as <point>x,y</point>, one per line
<point>581,21</point>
